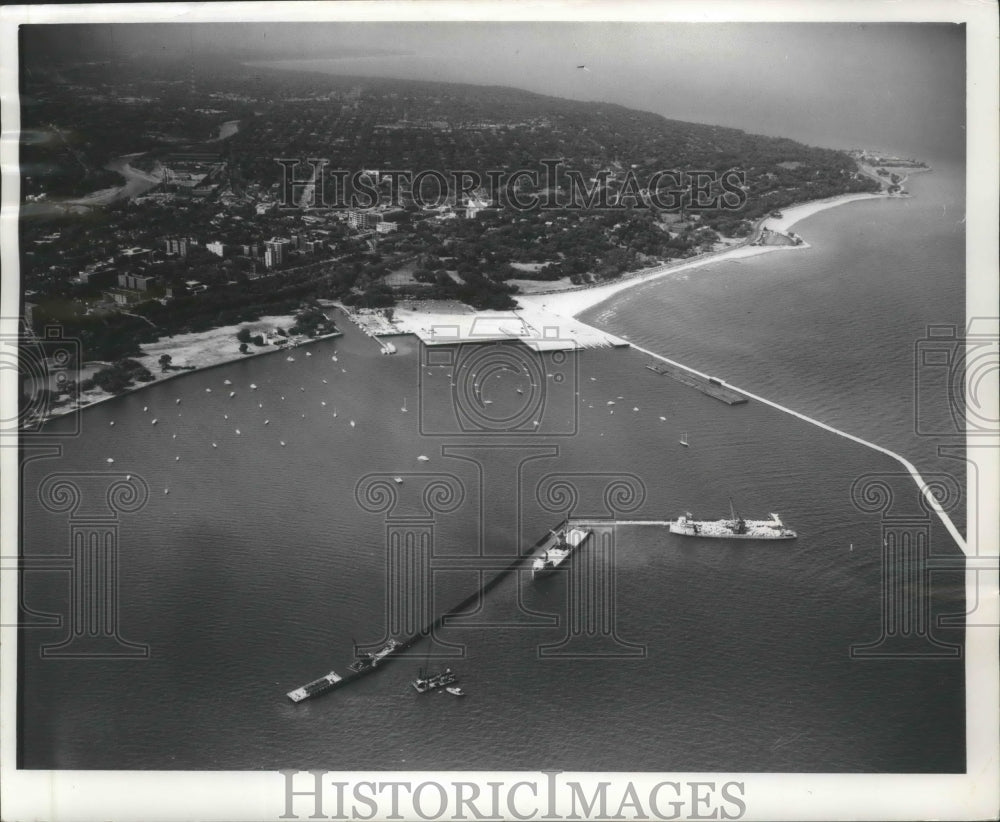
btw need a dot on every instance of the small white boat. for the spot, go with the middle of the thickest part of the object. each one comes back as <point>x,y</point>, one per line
<point>664,419</point>
<point>684,439</point>
<point>308,354</point>
<point>177,401</point>
<point>145,408</point>
<point>290,359</point>
<point>397,480</point>
<point>166,490</point>
<point>323,403</point>
<point>267,422</point>
<point>214,445</point>
<point>111,423</point>
<point>423,458</point>
<point>352,423</point>
<point>110,460</point>
<point>154,421</point>
<point>253,386</point>
<point>282,443</point>
<point>454,690</point>
<point>208,390</point>
<point>226,382</point>
<point>237,432</point>
<point>232,394</point>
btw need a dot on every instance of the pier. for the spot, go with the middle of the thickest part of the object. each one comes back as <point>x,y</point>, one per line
<point>707,385</point>
<point>500,566</point>
<point>591,523</point>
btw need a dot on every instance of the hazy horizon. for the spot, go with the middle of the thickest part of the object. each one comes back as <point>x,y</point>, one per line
<point>894,87</point>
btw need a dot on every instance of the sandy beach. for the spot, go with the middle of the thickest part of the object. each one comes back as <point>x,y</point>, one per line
<point>194,352</point>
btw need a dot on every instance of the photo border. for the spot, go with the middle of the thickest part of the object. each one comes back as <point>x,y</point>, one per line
<point>169,795</point>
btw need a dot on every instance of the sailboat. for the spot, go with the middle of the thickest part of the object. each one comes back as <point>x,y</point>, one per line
<point>684,439</point>
<point>403,409</point>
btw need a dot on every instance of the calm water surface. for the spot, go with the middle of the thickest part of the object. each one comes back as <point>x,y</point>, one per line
<point>259,567</point>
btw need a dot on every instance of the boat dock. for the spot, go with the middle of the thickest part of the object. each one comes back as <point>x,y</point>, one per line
<point>707,385</point>
<point>591,523</point>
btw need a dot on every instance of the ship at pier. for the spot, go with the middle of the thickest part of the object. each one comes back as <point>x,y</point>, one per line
<point>365,660</point>
<point>736,527</point>
<point>563,544</point>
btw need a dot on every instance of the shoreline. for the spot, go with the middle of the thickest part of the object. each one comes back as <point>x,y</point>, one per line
<point>569,304</point>
<point>204,348</point>
<point>544,310</point>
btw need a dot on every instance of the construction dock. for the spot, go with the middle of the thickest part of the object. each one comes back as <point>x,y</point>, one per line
<point>493,568</point>
<point>707,385</point>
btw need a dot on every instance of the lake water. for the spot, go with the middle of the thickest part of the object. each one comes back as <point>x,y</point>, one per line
<point>257,570</point>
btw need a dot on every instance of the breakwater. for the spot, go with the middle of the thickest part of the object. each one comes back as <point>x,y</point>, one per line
<point>707,385</point>
<point>332,681</point>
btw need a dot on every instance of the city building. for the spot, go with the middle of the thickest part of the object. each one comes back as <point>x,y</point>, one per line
<point>136,282</point>
<point>124,297</point>
<point>473,205</point>
<point>274,251</point>
<point>178,246</point>
<point>137,254</point>
<point>384,227</point>
<point>216,248</point>
<point>363,220</point>
<point>102,277</point>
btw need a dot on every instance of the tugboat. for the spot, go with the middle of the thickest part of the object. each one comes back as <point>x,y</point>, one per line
<point>429,682</point>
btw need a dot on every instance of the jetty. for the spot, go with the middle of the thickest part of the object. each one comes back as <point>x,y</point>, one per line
<point>493,570</point>
<point>707,385</point>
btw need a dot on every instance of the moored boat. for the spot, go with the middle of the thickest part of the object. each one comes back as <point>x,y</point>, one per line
<point>366,660</point>
<point>565,543</point>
